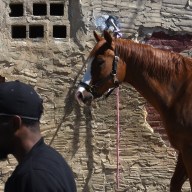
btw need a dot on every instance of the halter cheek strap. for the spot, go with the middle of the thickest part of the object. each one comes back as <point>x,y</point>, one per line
<point>114,70</point>
<point>114,75</point>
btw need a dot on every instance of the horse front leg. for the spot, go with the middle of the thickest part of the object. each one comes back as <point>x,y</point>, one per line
<point>179,176</point>
<point>187,160</point>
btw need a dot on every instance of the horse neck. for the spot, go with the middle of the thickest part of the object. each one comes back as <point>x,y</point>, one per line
<point>150,72</point>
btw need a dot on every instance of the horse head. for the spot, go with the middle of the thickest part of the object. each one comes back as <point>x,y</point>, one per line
<point>100,75</point>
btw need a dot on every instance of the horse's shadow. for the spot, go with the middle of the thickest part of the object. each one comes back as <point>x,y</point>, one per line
<point>89,148</point>
<point>71,106</point>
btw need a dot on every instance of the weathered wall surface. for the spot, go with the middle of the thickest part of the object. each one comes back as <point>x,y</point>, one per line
<point>86,136</point>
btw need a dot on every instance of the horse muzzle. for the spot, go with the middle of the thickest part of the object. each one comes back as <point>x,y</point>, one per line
<point>84,97</point>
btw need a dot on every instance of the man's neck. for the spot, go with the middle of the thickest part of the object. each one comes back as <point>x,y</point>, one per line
<point>25,146</point>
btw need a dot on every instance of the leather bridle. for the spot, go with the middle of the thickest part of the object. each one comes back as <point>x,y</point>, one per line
<point>113,75</point>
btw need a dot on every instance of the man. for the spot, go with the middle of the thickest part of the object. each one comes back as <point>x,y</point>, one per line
<point>40,168</point>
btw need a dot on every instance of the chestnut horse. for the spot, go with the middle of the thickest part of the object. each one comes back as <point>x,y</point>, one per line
<point>164,78</point>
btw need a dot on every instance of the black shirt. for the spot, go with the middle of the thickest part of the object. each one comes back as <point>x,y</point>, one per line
<point>42,170</point>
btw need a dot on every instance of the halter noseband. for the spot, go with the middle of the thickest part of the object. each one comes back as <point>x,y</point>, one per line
<point>92,88</point>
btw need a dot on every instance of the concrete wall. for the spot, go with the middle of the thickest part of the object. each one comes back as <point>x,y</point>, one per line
<point>86,136</point>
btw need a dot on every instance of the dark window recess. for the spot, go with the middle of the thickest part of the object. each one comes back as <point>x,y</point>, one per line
<point>18,32</point>
<point>16,10</point>
<point>59,31</point>
<point>57,9</point>
<point>39,9</point>
<point>36,31</point>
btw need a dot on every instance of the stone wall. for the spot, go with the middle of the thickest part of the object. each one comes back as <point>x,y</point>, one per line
<point>53,62</point>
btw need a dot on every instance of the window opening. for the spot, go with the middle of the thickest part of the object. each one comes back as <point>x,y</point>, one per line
<point>57,9</point>
<point>59,31</point>
<point>39,9</point>
<point>18,32</point>
<point>36,31</point>
<point>16,10</point>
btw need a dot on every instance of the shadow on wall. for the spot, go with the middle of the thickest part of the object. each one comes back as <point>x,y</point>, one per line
<point>76,21</point>
<point>89,147</point>
<point>139,5</point>
<point>71,105</point>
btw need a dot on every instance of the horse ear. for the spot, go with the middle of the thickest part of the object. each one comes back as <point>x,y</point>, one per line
<point>108,38</point>
<point>97,37</point>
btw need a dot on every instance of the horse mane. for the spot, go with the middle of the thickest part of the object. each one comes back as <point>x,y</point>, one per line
<point>160,64</point>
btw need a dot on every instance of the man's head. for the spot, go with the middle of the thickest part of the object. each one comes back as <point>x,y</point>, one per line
<point>20,106</point>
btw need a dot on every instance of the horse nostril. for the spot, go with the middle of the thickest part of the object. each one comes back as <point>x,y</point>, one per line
<point>84,97</point>
<point>79,97</point>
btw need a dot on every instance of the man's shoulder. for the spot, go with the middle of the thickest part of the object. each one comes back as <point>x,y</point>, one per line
<point>41,181</point>
<point>45,158</point>
<point>47,153</point>
<point>44,165</point>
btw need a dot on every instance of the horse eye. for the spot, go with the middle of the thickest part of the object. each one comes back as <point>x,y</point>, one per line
<point>100,61</point>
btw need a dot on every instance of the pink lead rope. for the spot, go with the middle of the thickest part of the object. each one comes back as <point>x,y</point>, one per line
<point>117,137</point>
<point>118,35</point>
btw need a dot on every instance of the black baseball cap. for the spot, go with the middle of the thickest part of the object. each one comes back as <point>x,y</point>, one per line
<point>17,98</point>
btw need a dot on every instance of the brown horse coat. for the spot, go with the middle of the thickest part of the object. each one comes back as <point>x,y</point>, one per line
<point>164,78</point>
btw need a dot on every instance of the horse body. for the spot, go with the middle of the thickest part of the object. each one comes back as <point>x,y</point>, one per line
<point>164,78</point>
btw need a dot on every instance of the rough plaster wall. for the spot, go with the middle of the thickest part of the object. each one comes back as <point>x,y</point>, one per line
<point>86,136</point>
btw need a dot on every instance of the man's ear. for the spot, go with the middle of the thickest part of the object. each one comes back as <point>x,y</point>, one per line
<point>97,37</point>
<point>16,122</point>
<point>2,79</point>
